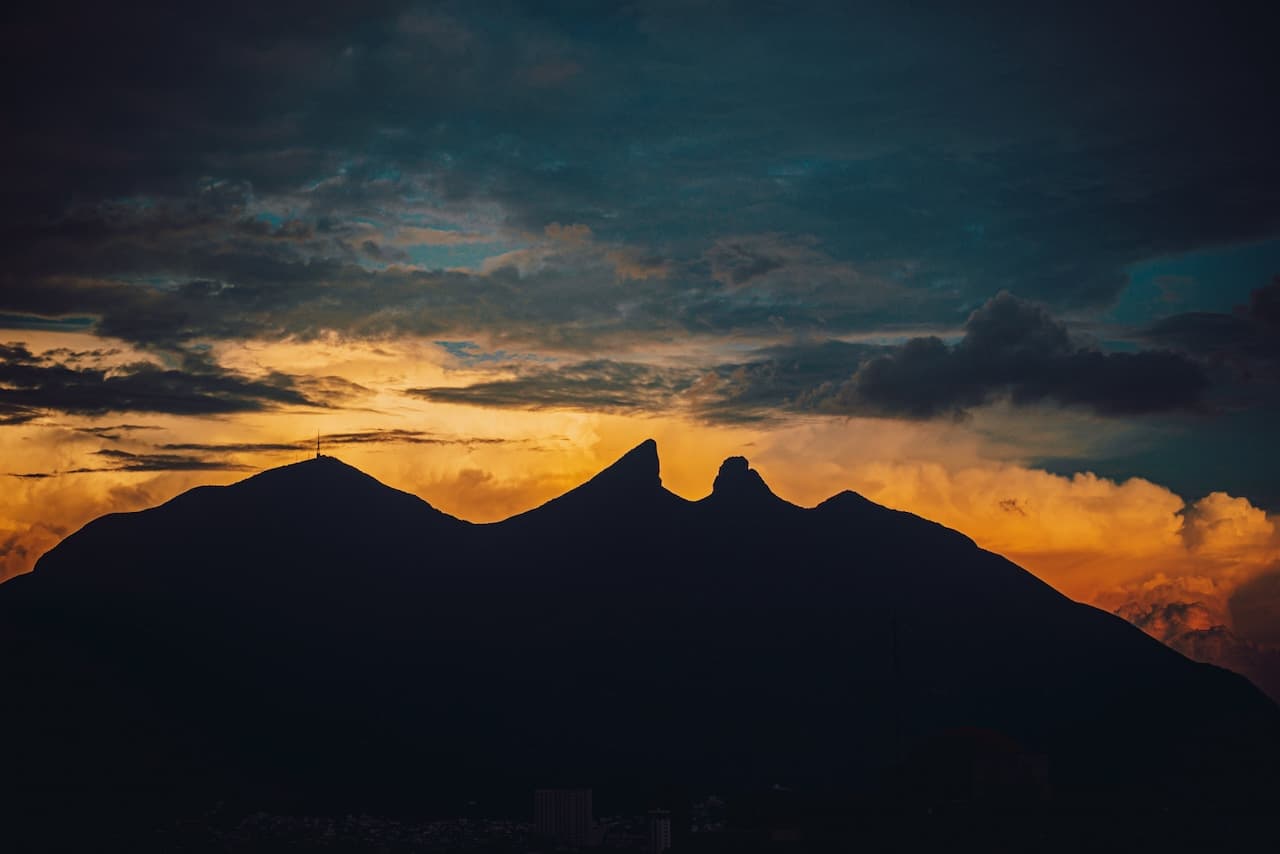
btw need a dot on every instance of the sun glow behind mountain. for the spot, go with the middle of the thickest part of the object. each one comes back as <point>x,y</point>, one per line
<point>1099,540</point>
<point>1010,269</point>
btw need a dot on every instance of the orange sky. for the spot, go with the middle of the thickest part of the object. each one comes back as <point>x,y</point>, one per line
<point>1095,539</point>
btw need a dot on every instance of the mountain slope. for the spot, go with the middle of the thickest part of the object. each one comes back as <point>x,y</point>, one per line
<point>309,633</point>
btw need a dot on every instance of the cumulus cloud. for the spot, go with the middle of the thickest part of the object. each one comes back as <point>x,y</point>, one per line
<point>1219,524</point>
<point>1111,543</point>
<point>1199,576</point>
<point>1014,350</point>
<point>1196,631</point>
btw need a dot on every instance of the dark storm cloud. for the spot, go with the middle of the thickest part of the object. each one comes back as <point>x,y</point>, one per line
<point>32,385</point>
<point>1014,350</point>
<point>1246,341</point>
<point>1033,150</point>
<point>651,169</point>
<point>568,299</point>
<point>771,382</point>
<point>776,381</point>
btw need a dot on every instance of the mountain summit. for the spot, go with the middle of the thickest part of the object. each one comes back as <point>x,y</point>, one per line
<point>629,488</point>
<point>313,635</point>
<point>740,486</point>
<point>638,467</point>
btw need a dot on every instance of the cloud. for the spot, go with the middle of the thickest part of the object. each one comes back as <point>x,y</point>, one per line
<point>411,235</point>
<point>1255,608</point>
<point>407,437</point>
<point>33,385</point>
<point>1245,342</point>
<point>167,460</point>
<point>778,381</point>
<point>1200,576</point>
<point>13,413</point>
<point>118,460</point>
<point>20,550</point>
<point>115,460</point>
<point>1168,620</point>
<point>288,169</point>
<point>574,233</point>
<point>601,385</point>
<point>1193,629</point>
<point>481,491</point>
<point>1013,350</point>
<point>113,432</point>
<point>1221,525</point>
<point>735,263</point>
<point>41,511</point>
<point>235,447</point>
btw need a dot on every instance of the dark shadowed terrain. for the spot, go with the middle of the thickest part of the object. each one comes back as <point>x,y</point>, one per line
<point>309,639</point>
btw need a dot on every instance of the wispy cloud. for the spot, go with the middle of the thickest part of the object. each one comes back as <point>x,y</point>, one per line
<point>32,385</point>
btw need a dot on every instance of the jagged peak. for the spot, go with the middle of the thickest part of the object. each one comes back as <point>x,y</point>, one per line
<point>633,474</point>
<point>737,478</point>
<point>638,467</point>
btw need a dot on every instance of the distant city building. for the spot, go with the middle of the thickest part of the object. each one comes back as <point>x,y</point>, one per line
<point>564,815</point>
<point>659,831</point>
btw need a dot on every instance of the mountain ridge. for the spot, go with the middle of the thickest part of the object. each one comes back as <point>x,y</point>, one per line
<point>617,633</point>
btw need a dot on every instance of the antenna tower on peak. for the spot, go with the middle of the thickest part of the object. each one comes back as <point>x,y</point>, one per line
<point>317,444</point>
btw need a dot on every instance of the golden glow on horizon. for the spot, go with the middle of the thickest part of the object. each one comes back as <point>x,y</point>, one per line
<point>1094,539</point>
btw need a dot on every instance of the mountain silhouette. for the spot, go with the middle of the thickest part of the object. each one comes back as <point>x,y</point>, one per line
<point>630,487</point>
<point>311,635</point>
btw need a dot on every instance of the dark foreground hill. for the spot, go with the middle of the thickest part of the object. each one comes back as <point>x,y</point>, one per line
<point>310,636</point>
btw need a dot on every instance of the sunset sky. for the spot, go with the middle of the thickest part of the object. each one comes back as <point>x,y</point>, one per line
<point>1015,271</point>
